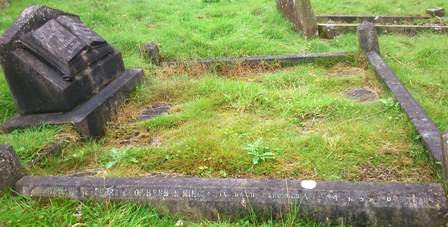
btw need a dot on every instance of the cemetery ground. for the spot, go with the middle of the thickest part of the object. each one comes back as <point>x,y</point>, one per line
<point>237,121</point>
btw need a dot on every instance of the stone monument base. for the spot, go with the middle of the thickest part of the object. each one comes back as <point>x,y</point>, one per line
<point>90,117</point>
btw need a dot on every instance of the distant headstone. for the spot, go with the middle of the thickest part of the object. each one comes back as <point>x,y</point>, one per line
<point>4,3</point>
<point>436,12</point>
<point>368,37</point>
<point>152,53</point>
<point>10,168</point>
<point>301,14</point>
<point>53,63</point>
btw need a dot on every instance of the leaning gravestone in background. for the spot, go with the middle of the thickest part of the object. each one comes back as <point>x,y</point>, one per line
<point>301,14</point>
<point>60,71</point>
<point>4,3</point>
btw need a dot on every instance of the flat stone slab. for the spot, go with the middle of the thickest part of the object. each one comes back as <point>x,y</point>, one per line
<point>361,95</point>
<point>356,19</point>
<point>329,31</point>
<point>90,117</point>
<point>436,12</point>
<point>351,203</point>
<point>10,168</point>
<point>281,59</point>
<point>430,134</point>
<point>154,111</point>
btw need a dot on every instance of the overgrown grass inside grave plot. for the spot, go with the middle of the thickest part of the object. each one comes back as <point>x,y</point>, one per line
<point>291,123</point>
<point>294,122</point>
<point>298,116</point>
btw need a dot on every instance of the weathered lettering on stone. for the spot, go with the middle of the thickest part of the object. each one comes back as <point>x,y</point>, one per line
<point>301,14</point>
<point>10,168</point>
<point>54,65</point>
<point>356,203</point>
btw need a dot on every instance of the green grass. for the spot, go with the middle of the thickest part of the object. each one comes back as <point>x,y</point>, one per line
<point>299,112</point>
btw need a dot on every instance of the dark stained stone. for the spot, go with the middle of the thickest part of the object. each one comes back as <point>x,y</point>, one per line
<point>351,203</point>
<point>154,111</point>
<point>10,169</point>
<point>361,95</point>
<point>301,14</point>
<point>429,133</point>
<point>368,37</point>
<point>436,12</point>
<point>152,52</point>
<point>55,65</point>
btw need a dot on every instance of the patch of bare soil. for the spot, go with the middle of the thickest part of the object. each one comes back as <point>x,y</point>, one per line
<point>370,172</point>
<point>239,69</point>
<point>344,69</point>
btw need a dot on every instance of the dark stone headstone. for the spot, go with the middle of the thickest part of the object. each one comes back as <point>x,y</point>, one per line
<point>301,14</point>
<point>152,53</point>
<point>54,64</point>
<point>368,37</point>
<point>361,95</point>
<point>10,169</point>
<point>436,12</point>
<point>154,111</point>
<point>351,203</point>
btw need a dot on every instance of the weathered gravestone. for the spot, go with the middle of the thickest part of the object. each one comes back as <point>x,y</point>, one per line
<point>10,168</point>
<point>301,14</point>
<point>60,71</point>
